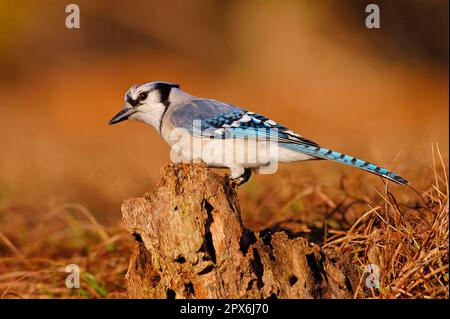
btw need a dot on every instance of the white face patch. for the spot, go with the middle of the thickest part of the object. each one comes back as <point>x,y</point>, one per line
<point>245,118</point>
<point>150,113</point>
<point>292,133</point>
<point>130,91</point>
<point>134,91</point>
<point>148,110</point>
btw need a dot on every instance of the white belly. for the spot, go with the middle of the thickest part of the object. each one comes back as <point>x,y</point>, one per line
<point>230,152</point>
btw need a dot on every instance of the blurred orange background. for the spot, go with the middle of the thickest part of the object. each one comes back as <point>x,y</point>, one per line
<point>380,94</point>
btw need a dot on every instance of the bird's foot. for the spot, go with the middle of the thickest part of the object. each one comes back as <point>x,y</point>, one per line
<point>230,182</point>
<point>242,179</point>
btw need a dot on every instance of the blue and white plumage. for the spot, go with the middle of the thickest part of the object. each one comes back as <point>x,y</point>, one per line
<point>186,121</point>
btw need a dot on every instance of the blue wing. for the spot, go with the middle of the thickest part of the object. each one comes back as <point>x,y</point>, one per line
<point>200,110</point>
<point>220,120</point>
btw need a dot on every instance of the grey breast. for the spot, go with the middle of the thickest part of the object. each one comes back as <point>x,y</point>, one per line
<point>201,109</point>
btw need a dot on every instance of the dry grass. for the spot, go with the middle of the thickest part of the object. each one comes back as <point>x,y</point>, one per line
<point>407,240</point>
<point>33,262</point>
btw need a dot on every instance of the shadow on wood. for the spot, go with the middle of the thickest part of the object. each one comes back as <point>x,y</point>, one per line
<point>191,243</point>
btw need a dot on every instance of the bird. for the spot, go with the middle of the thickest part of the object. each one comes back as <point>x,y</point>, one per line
<point>223,135</point>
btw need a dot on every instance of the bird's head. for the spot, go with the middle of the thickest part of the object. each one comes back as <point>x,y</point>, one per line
<point>146,103</point>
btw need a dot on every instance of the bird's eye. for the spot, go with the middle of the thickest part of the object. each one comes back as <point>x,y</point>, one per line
<point>143,96</point>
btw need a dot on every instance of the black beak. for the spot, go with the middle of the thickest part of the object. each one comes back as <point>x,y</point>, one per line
<point>121,116</point>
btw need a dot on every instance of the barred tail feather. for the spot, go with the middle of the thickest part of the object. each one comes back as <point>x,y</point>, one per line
<point>328,154</point>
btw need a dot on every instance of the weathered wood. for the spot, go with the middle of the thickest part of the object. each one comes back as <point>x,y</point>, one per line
<point>191,243</point>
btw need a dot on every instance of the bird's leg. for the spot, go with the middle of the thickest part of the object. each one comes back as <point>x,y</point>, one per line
<point>229,180</point>
<point>245,177</point>
<point>240,175</point>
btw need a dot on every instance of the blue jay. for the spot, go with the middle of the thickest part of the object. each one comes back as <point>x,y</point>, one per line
<point>213,125</point>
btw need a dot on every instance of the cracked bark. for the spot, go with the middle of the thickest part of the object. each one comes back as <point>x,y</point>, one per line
<point>191,243</point>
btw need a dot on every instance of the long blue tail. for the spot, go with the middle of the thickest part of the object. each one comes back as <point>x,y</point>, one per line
<point>328,154</point>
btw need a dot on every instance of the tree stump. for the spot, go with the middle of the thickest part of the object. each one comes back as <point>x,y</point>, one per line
<point>191,243</point>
